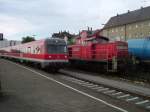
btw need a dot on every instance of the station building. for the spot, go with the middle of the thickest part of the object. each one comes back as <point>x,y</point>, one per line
<point>133,24</point>
<point>6,43</point>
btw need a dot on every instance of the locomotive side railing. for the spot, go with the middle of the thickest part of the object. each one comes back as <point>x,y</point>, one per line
<point>98,54</point>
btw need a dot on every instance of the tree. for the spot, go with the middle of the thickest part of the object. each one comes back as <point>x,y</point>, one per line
<point>63,34</point>
<point>27,39</point>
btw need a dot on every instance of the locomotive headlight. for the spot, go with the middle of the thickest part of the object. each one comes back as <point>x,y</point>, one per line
<point>65,56</point>
<point>50,56</point>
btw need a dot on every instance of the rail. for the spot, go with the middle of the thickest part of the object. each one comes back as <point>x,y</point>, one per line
<point>105,86</point>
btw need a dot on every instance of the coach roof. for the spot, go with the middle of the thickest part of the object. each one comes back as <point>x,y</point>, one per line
<point>55,41</point>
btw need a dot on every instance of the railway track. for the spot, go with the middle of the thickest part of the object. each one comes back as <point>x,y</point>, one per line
<point>116,93</point>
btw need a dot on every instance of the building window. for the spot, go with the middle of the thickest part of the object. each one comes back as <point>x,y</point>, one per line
<point>122,38</point>
<point>135,35</point>
<point>79,42</point>
<point>116,30</point>
<point>112,30</point>
<point>130,35</point>
<point>142,25</point>
<point>149,34</point>
<point>136,26</point>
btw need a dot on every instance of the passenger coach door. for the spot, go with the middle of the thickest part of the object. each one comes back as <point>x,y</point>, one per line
<point>93,51</point>
<point>21,54</point>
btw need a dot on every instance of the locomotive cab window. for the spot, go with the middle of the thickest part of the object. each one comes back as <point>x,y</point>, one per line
<point>55,49</point>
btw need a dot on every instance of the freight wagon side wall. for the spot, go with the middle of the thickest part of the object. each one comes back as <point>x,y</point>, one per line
<point>140,48</point>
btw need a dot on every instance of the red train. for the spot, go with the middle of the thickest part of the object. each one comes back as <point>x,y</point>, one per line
<point>90,47</point>
<point>47,53</point>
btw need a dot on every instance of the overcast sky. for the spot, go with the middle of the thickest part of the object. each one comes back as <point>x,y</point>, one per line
<point>20,18</point>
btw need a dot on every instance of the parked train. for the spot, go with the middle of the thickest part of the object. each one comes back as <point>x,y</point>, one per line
<point>110,55</point>
<point>88,48</point>
<point>47,53</point>
<point>139,49</point>
<point>93,48</point>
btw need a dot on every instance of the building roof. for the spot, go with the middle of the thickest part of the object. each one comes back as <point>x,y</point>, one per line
<point>91,33</point>
<point>129,17</point>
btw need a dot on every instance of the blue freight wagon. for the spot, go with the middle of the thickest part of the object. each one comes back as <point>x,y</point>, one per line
<point>140,49</point>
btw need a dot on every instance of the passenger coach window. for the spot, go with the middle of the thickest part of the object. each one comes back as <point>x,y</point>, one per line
<point>29,50</point>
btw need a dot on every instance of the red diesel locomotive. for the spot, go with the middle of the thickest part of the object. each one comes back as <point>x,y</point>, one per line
<point>98,50</point>
<point>48,53</point>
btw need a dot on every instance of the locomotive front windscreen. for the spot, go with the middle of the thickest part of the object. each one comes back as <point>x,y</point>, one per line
<point>57,49</point>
